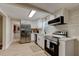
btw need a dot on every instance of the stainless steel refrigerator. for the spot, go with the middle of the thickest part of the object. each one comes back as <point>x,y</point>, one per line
<point>25,33</point>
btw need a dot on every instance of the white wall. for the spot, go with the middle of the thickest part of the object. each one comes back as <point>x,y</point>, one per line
<point>48,28</point>
<point>59,13</point>
<point>72,20</point>
<point>8,32</point>
<point>6,41</point>
<point>74,23</point>
<point>65,13</point>
<point>74,27</point>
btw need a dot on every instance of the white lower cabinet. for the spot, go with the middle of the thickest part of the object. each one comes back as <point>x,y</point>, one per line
<point>76,46</point>
<point>40,41</point>
<point>66,48</point>
<point>32,37</point>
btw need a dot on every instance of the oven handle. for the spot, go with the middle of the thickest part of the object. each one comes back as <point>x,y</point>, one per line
<point>55,41</point>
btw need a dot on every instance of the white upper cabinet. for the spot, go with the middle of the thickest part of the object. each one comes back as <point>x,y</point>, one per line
<point>66,15</point>
<point>59,13</point>
<point>40,23</point>
<point>62,12</point>
<point>50,17</point>
<point>32,23</point>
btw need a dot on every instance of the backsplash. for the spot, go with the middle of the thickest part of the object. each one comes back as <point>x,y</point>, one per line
<point>73,26</point>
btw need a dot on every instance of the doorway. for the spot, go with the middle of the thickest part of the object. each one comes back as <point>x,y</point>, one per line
<point>1,31</point>
<point>16,30</point>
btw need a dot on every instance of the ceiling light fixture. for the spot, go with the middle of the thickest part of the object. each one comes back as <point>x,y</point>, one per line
<point>32,13</point>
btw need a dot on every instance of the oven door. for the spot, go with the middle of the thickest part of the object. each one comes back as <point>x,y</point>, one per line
<point>52,46</point>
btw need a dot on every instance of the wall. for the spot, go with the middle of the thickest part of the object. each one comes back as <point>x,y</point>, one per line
<point>8,32</point>
<point>74,26</point>
<point>65,27</point>
<point>74,23</point>
<point>6,41</point>
<point>72,19</point>
<point>49,29</point>
<point>65,13</point>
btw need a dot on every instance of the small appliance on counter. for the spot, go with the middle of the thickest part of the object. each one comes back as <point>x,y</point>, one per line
<point>35,30</point>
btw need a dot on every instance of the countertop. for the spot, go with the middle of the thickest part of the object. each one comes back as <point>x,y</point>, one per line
<point>66,39</point>
<point>61,38</point>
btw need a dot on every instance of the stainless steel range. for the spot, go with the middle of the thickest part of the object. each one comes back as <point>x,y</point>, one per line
<point>52,43</point>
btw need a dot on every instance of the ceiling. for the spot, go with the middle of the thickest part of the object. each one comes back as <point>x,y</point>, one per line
<point>19,12</point>
<point>22,10</point>
<point>52,7</point>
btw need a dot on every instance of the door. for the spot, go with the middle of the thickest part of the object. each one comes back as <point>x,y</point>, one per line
<point>1,22</point>
<point>40,41</point>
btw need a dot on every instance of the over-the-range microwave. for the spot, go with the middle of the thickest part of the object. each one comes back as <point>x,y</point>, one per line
<point>57,21</point>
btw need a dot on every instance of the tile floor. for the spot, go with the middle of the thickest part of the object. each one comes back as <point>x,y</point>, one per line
<point>27,49</point>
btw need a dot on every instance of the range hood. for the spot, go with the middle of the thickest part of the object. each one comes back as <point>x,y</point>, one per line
<point>57,21</point>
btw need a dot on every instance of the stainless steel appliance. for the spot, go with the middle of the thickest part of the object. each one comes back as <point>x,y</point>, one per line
<point>57,21</point>
<point>52,45</point>
<point>25,33</point>
<point>52,42</point>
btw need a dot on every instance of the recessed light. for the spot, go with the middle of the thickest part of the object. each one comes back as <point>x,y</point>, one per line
<point>32,13</point>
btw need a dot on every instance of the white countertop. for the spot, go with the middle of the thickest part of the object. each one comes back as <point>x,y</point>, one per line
<point>66,39</point>
<point>62,38</point>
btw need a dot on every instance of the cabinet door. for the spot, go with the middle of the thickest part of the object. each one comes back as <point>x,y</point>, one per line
<point>69,46</point>
<point>62,48</point>
<point>33,37</point>
<point>40,41</point>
